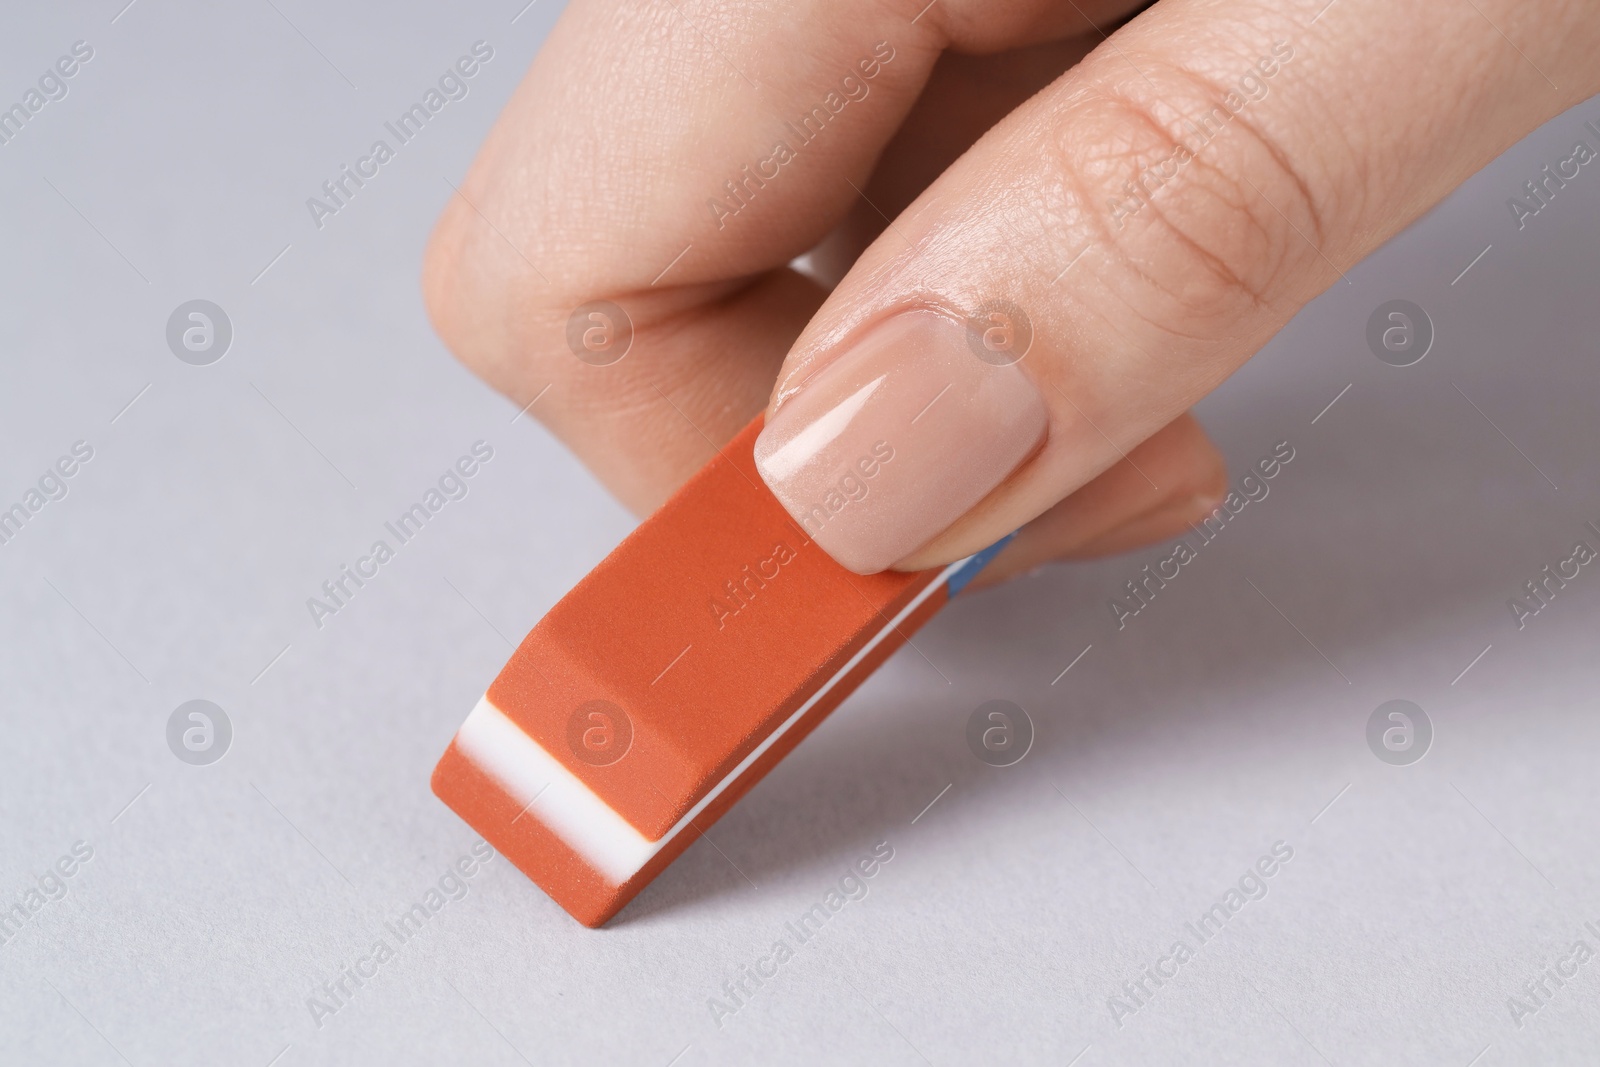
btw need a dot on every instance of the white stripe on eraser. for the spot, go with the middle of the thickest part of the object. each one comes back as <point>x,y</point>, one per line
<point>498,747</point>
<point>575,813</point>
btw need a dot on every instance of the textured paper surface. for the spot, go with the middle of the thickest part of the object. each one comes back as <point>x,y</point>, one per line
<point>1228,715</point>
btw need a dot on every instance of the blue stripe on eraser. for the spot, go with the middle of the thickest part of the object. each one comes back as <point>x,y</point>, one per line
<point>958,581</point>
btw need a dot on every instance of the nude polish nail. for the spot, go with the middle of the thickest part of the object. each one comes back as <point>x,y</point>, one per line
<point>897,438</point>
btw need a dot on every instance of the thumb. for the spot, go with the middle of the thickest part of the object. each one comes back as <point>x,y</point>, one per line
<point>1123,242</point>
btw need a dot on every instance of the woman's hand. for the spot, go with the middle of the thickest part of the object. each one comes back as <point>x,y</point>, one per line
<point>1132,213</point>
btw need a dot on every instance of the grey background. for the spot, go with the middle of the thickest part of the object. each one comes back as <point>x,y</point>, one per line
<point>1172,755</point>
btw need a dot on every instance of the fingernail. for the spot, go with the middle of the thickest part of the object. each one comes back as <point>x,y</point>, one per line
<point>898,437</point>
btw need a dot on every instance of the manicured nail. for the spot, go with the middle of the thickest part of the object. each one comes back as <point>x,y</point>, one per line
<point>899,436</point>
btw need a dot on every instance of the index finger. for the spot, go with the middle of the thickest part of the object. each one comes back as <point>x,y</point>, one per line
<point>718,143</point>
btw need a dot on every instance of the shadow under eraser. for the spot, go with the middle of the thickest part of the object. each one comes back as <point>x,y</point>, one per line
<point>668,682</point>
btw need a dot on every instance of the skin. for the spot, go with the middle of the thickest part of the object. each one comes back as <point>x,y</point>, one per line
<point>998,139</point>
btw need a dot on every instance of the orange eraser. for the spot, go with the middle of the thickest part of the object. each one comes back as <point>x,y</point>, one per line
<point>674,676</point>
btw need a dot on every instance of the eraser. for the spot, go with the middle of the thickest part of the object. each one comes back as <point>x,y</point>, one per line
<point>668,682</point>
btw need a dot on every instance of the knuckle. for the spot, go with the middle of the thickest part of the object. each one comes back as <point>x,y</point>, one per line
<point>481,306</point>
<point>447,298</point>
<point>1205,214</point>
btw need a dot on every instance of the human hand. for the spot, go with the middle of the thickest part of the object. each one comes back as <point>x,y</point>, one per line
<point>1149,217</point>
